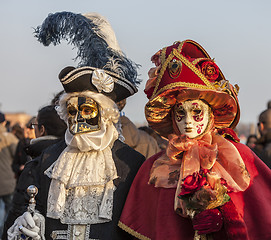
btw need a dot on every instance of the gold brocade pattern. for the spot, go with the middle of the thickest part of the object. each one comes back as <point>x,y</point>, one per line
<point>132,232</point>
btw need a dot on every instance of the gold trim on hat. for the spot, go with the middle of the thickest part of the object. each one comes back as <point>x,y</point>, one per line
<point>197,60</point>
<point>182,84</point>
<point>163,55</point>
<point>162,70</point>
<point>184,60</point>
<point>193,68</point>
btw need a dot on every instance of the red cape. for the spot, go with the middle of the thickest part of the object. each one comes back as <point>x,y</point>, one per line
<point>149,214</point>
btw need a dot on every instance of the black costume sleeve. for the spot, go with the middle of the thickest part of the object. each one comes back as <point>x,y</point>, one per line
<point>127,162</point>
<point>28,177</point>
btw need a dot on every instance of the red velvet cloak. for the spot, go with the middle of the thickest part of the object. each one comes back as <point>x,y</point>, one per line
<point>149,214</point>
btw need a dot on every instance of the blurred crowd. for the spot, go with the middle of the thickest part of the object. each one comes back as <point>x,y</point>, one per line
<point>19,144</point>
<point>260,142</point>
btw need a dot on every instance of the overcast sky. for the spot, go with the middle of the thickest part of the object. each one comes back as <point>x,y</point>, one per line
<point>234,32</point>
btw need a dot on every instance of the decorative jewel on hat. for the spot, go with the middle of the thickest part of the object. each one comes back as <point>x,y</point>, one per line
<point>175,67</point>
<point>102,67</point>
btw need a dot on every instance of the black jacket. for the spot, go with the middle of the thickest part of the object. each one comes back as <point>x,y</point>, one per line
<point>26,151</point>
<point>127,162</point>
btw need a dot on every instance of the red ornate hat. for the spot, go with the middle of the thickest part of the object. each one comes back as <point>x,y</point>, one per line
<point>185,71</point>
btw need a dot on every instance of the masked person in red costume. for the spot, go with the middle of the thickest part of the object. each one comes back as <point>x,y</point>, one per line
<point>206,185</point>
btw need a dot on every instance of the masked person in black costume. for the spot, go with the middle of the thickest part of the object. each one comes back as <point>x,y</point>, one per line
<point>83,181</point>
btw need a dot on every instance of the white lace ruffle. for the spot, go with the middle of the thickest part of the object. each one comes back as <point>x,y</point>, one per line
<point>81,190</point>
<point>81,205</point>
<point>74,168</point>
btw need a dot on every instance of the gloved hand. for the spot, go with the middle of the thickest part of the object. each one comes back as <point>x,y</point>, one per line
<point>233,222</point>
<point>26,224</point>
<point>208,221</point>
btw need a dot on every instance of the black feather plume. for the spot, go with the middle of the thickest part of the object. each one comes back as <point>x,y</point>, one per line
<point>93,50</point>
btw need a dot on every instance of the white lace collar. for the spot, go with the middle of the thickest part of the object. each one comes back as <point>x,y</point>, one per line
<point>81,190</point>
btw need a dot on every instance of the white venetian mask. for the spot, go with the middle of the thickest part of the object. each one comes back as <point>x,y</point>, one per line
<point>192,117</point>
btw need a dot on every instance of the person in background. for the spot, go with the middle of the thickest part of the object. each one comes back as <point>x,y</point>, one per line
<point>162,142</point>
<point>263,145</point>
<point>49,129</point>
<point>55,100</point>
<point>8,144</point>
<point>137,139</point>
<point>21,156</point>
<point>29,131</point>
<point>18,131</point>
<point>8,126</point>
<point>251,141</point>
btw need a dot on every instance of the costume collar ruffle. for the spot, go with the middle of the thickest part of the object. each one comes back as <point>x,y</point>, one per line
<point>186,156</point>
<point>82,177</point>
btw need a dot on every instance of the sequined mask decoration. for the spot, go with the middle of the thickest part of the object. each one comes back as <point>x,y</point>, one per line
<point>192,117</point>
<point>83,115</point>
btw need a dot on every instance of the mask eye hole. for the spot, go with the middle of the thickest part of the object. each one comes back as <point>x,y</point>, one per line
<point>180,110</point>
<point>88,111</point>
<point>72,111</point>
<point>196,111</point>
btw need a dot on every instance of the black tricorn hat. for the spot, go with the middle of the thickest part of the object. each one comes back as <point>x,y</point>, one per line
<point>103,67</point>
<point>96,80</point>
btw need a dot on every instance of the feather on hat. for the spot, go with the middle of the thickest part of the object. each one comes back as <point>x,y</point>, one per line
<point>98,53</point>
